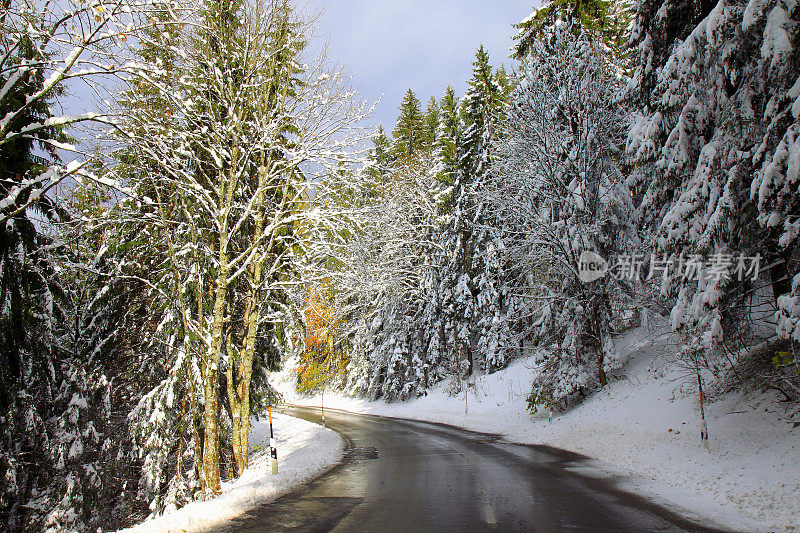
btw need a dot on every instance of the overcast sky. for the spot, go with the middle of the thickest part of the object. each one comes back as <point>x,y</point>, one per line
<point>389,46</point>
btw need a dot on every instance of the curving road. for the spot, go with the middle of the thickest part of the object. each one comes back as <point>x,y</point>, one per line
<point>401,475</point>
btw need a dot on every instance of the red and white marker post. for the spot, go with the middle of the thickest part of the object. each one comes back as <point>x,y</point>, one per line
<point>273,449</point>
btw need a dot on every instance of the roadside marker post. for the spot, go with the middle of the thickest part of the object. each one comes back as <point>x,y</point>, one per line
<point>273,448</point>
<point>703,424</point>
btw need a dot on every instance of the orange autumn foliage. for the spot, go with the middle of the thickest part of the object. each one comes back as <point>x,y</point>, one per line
<point>320,361</point>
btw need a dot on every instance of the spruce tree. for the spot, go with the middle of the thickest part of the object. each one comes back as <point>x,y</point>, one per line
<point>53,472</point>
<point>432,114</point>
<point>447,137</point>
<point>381,157</point>
<point>710,146</point>
<point>469,285</point>
<point>34,303</point>
<point>409,134</point>
<point>606,20</point>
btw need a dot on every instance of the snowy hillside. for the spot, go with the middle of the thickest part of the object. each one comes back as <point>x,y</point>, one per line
<point>645,423</point>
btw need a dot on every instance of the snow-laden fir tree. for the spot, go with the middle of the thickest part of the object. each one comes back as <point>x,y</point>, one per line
<point>713,148</point>
<point>559,192</point>
<point>49,442</point>
<point>470,275</point>
<point>447,139</point>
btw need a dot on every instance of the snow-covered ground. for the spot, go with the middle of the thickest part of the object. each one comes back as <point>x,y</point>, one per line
<point>644,426</point>
<point>305,450</point>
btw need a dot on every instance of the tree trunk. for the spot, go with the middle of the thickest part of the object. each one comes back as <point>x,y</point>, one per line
<point>196,435</point>
<point>600,371</point>
<point>241,426</point>
<point>240,390</point>
<point>211,440</point>
<point>779,273</point>
<point>210,381</point>
<point>597,337</point>
<point>231,376</point>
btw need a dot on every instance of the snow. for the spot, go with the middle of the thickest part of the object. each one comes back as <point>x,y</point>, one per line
<point>777,40</point>
<point>752,13</point>
<point>305,450</point>
<point>644,428</point>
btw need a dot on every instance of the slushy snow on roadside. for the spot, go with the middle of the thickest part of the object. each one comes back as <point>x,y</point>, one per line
<point>305,450</point>
<point>645,425</point>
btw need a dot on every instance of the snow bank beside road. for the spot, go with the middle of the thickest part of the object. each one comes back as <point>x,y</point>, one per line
<point>645,426</point>
<point>304,451</point>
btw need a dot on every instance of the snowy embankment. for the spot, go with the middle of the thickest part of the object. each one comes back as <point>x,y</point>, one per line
<point>305,450</point>
<point>643,427</point>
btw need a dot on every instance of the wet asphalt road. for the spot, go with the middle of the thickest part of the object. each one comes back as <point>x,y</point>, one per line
<point>400,475</point>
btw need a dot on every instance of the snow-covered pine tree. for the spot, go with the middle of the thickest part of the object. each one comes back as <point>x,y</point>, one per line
<point>775,28</point>
<point>32,307</point>
<point>447,140</point>
<point>608,20</point>
<point>380,158</point>
<point>712,145</point>
<point>431,118</point>
<point>559,192</point>
<point>470,276</point>
<point>44,427</point>
<point>91,444</point>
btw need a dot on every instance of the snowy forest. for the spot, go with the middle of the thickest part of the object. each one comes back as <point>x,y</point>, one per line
<point>225,204</point>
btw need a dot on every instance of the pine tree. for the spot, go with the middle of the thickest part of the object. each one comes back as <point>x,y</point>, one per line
<point>409,133</point>
<point>481,110</point>
<point>32,299</point>
<point>382,147</point>
<point>380,270</point>
<point>42,47</point>
<point>607,20</point>
<point>710,148</point>
<point>108,365</point>
<point>468,287</point>
<point>381,157</point>
<point>431,123</point>
<point>447,137</point>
